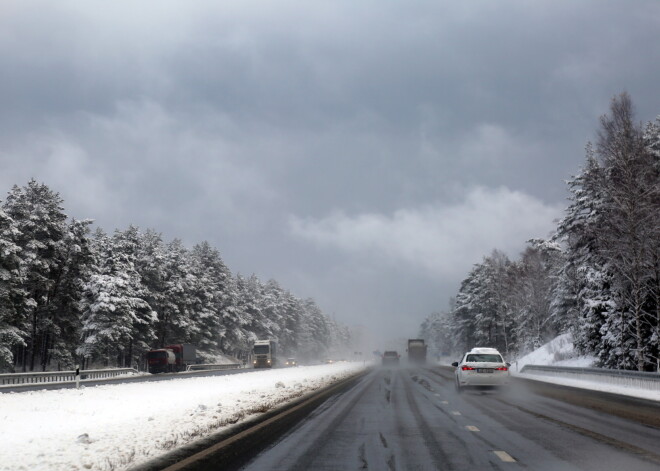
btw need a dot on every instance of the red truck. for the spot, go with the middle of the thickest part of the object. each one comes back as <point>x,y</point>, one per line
<point>172,358</point>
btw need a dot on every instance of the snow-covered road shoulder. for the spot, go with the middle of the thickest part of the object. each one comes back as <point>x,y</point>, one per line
<point>115,426</point>
<point>561,352</point>
<point>630,391</point>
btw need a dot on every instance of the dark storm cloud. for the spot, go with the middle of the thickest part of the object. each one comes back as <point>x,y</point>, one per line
<point>327,144</point>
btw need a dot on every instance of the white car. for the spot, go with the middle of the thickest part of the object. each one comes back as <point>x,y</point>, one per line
<point>481,367</point>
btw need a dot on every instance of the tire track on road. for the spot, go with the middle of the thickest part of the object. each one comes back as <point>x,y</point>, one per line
<point>440,459</point>
<point>640,452</point>
<point>304,462</point>
<point>453,417</point>
<point>482,405</point>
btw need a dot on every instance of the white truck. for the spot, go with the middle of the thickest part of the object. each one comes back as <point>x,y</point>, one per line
<point>264,354</point>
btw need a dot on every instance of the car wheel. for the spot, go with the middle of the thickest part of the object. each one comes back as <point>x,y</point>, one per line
<point>459,389</point>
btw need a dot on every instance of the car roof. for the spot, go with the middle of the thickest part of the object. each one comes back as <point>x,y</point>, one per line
<point>484,350</point>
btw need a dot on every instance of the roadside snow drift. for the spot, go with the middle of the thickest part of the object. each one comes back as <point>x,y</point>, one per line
<point>117,426</point>
<point>561,352</point>
<point>558,352</point>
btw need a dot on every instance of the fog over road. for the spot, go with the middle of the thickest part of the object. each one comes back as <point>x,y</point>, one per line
<point>413,419</point>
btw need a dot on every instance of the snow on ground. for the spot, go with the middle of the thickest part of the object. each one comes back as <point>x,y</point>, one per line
<point>652,395</point>
<point>218,359</point>
<point>115,426</point>
<point>560,352</point>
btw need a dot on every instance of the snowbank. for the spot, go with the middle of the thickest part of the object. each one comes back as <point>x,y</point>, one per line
<point>115,426</point>
<point>558,352</point>
<point>649,394</point>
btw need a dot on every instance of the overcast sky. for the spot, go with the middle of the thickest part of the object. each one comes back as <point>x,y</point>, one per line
<point>363,153</point>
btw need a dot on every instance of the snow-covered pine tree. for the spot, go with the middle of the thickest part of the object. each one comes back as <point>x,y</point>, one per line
<point>319,328</point>
<point>307,347</point>
<point>176,319</point>
<point>291,312</point>
<point>585,272</point>
<point>500,283</point>
<point>41,226</point>
<point>629,235</point>
<point>436,331</point>
<point>481,316</point>
<point>273,309</point>
<point>12,294</point>
<point>214,296</point>
<point>462,321</point>
<point>117,323</point>
<point>63,321</point>
<point>248,309</point>
<point>652,141</point>
<point>530,293</point>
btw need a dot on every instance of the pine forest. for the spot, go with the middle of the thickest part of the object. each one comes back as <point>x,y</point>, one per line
<point>70,295</point>
<point>597,276</point>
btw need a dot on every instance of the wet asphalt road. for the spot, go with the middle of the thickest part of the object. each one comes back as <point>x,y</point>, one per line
<point>413,419</point>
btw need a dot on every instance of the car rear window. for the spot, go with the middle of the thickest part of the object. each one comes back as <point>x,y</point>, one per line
<point>485,357</point>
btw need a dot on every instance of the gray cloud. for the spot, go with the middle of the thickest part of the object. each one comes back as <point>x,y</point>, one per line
<point>227,121</point>
<point>444,240</point>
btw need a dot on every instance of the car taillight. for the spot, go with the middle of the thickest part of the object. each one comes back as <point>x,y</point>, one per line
<point>466,368</point>
<point>502,368</point>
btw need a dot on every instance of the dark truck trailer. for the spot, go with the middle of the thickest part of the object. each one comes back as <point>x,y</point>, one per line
<point>172,358</point>
<point>185,354</point>
<point>416,351</point>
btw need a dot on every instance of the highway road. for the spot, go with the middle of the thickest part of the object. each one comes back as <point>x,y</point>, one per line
<point>413,419</point>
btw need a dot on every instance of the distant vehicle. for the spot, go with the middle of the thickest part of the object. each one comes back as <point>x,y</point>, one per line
<point>416,351</point>
<point>171,358</point>
<point>264,354</point>
<point>329,361</point>
<point>291,362</point>
<point>391,357</point>
<point>481,367</point>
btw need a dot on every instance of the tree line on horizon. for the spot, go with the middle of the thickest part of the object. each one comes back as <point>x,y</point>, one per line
<point>69,296</point>
<point>597,276</point>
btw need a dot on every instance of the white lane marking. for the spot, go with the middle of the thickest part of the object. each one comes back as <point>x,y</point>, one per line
<point>437,394</point>
<point>472,428</point>
<point>445,402</point>
<point>504,456</point>
<point>455,412</point>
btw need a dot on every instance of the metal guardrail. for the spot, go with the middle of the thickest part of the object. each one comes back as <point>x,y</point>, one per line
<point>217,366</point>
<point>635,379</point>
<point>61,376</point>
